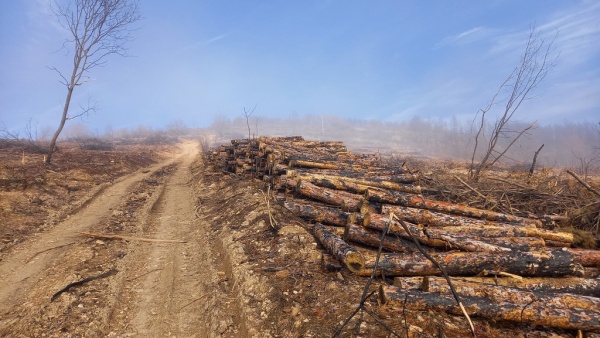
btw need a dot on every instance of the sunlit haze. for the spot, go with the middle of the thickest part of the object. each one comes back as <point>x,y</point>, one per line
<point>193,61</point>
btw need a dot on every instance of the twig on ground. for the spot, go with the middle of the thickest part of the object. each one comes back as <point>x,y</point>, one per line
<point>41,252</point>
<point>129,238</point>
<point>83,281</point>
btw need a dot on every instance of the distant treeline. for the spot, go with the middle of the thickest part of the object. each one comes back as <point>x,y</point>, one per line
<point>569,144</point>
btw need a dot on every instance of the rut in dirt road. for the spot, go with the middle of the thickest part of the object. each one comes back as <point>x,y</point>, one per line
<point>161,288</point>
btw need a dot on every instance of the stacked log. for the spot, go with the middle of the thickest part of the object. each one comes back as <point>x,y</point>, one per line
<point>326,185</point>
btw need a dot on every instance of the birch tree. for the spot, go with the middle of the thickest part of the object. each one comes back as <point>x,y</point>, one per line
<point>97,29</point>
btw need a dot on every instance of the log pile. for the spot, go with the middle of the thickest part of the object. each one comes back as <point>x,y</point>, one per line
<point>506,267</point>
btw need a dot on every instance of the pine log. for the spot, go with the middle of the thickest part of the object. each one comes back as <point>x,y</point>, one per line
<point>573,285</point>
<point>321,214</point>
<point>434,218</point>
<point>359,234</point>
<point>514,243</point>
<point>586,257</point>
<point>347,201</point>
<point>464,243</point>
<point>355,184</point>
<point>379,222</point>
<point>418,201</point>
<point>313,164</point>
<point>336,246</point>
<point>500,231</point>
<point>432,237</point>
<point>531,264</point>
<point>563,311</point>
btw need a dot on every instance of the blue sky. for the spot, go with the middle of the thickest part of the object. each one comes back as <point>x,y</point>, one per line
<point>386,60</point>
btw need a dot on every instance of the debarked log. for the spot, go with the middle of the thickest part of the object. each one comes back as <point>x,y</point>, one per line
<point>336,246</point>
<point>500,231</point>
<point>362,235</point>
<point>434,218</point>
<point>358,185</point>
<point>418,201</point>
<point>348,202</point>
<point>553,263</point>
<point>558,311</point>
<point>573,285</point>
<point>322,214</point>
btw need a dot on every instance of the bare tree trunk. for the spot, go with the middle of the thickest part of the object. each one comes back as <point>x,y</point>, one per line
<point>535,160</point>
<point>63,120</point>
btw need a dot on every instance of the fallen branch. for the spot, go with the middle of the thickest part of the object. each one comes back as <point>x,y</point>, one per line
<point>587,186</point>
<point>130,238</point>
<point>83,281</point>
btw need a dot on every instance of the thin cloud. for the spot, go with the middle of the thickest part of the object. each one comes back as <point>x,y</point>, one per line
<point>469,36</point>
<point>201,43</point>
<point>577,29</point>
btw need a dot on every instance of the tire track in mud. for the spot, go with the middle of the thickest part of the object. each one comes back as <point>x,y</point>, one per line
<point>160,290</point>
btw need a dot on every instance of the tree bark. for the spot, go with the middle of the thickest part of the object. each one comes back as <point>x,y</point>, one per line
<point>499,231</point>
<point>355,184</point>
<point>348,202</point>
<point>558,311</point>
<point>321,214</point>
<point>359,234</point>
<point>573,285</point>
<point>434,218</point>
<point>417,201</point>
<point>336,246</point>
<point>554,263</point>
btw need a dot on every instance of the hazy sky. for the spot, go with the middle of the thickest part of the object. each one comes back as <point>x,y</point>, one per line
<point>387,60</point>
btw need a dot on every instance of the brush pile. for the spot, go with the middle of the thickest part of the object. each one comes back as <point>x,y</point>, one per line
<point>505,267</point>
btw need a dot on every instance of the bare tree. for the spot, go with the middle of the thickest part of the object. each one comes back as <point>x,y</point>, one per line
<point>535,64</point>
<point>98,28</point>
<point>247,115</point>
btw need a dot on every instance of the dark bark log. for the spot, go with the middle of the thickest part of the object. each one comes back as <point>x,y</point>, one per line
<point>313,164</point>
<point>417,201</point>
<point>564,311</point>
<point>348,202</point>
<point>326,215</point>
<point>573,285</point>
<point>532,264</point>
<point>586,257</point>
<point>336,246</point>
<point>359,234</point>
<point>379,222</point>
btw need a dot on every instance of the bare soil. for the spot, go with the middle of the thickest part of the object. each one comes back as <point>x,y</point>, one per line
<point>198,256</point>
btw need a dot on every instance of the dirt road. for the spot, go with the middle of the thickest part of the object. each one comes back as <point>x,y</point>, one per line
<point>127,287</point>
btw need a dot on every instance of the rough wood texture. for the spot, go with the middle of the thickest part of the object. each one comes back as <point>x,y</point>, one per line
<point>336,246</point>
<point>532,264</point>
<point>434,218</point>
<point>334,197</point>
<point>499,231</point>
<point>417,201</point>
<point>573,285</point>
<point>359,234</point>
<point>564,311</point>
<point>358,185</point>
<point>322,214</point>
